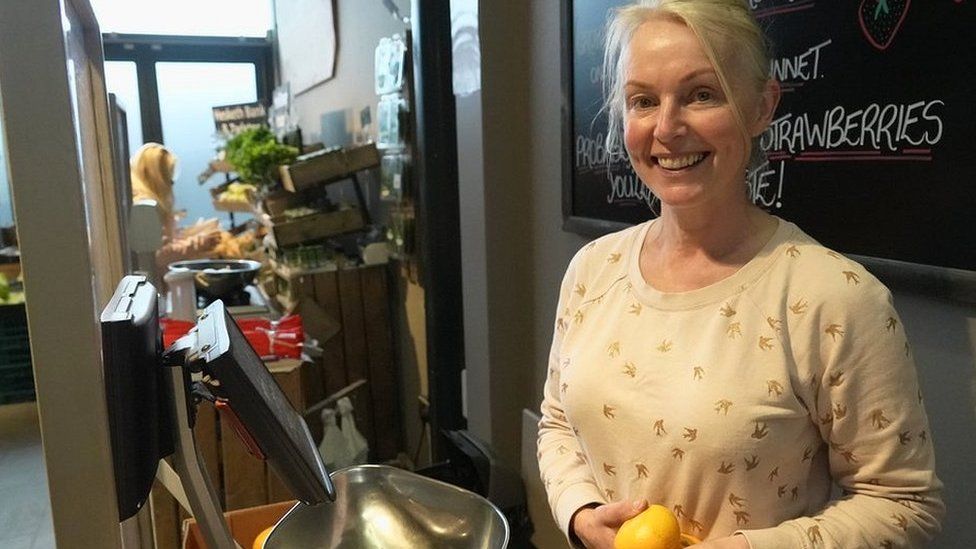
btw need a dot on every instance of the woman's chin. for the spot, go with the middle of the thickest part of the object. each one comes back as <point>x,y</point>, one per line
<point>680,197</point>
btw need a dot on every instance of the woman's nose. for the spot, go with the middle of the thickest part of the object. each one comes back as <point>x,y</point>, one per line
<point>670,122</point>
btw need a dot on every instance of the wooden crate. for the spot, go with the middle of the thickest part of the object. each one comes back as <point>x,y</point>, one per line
<point>316,226</point>
<point>276,202</point>
<point>348,312</point>
<point>327,166</point>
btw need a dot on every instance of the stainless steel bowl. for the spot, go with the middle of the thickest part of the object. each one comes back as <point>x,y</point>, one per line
<point>219,278</point>
<point>378,506</point>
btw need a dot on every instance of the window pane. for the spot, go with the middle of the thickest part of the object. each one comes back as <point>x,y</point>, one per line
<point>6,206</point>
<point>187,93</point>
<point>185,17</point>
<point>120,79</point>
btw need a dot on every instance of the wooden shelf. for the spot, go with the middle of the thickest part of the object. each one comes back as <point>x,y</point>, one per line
<point>287,272</point>
<point>328,166</point>
<point>316,226</point>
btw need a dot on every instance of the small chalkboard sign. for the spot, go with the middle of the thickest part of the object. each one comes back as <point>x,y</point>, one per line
<point>870,150</point>
<point>232,119</point>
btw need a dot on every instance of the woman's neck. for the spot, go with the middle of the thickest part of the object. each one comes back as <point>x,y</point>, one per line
<point>686,250</point>
<point>737,230</point>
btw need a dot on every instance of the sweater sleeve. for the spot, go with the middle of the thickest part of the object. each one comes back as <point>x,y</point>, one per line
<point>569,483</point>
<point>863,394</point>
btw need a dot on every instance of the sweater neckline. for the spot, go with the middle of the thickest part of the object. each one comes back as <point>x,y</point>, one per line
<point>715,292</point>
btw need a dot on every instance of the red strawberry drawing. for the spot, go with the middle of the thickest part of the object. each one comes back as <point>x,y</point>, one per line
<point>881,19</point>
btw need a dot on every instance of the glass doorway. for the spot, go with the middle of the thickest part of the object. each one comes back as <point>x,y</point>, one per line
<point>169,84</point>
<point>187,93</point>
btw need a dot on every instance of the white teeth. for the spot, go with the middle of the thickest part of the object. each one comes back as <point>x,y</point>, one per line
<point>676,163</point>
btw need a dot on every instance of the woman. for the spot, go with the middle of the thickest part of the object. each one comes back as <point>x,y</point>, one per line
<point>717,360</point>
<point>153,168</point>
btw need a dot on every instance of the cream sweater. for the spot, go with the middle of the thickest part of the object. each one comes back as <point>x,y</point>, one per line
<point>738,405</point>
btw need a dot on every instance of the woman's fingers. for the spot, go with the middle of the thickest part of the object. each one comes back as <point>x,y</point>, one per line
<point>604,521</point>
<point>615,514</point>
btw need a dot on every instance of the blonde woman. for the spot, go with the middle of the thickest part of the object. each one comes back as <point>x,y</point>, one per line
<point>717,360</point>
<point>153,169</point>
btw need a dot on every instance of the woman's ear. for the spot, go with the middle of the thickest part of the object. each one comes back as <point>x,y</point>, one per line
<point>768,101</point>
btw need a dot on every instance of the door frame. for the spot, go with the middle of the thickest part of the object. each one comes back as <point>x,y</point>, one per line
<point>62,186</point>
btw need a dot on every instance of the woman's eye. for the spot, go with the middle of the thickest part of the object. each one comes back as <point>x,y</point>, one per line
<point>703,96</point>
<point>641,102</point>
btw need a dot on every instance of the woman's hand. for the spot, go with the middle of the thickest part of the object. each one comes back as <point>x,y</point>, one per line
<point>597,526</point>
<point>730,542</point>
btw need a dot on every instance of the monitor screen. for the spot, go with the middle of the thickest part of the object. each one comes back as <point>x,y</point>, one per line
<point>237,376</point>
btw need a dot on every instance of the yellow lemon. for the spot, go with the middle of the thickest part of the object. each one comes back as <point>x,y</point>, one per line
<point>259,541</point>
<point>655,528</point>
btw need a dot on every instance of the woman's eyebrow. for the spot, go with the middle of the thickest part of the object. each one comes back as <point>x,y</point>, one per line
<point>635,84</point>
<point>696,73</point>
<point>690,76</point>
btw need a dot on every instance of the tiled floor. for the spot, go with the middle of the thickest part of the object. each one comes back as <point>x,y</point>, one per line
<point>25,510</point>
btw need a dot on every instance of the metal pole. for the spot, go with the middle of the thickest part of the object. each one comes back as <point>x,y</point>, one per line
<point>438,214</point>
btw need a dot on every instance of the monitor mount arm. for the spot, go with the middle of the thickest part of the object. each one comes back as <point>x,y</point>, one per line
<point>193,481</point>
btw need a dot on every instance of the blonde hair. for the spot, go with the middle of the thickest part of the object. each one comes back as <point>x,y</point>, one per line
<point>728,33</point>
<point>151,169</point>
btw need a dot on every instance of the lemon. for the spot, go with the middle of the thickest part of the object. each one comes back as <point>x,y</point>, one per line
<point>655,528</point>
<point>259,541</point>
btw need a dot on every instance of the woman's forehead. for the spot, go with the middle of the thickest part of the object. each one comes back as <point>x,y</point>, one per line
<point>659,33</point>
<point>669,50</point>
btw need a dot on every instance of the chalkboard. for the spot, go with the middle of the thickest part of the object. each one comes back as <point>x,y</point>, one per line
<point>872,147</point>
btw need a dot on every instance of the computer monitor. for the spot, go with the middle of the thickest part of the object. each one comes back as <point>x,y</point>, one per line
<point>141,404</point>
<point>237,376</point>
<point>137,392</point>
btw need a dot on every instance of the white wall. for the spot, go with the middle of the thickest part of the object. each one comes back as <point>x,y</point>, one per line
<point>359,26</point>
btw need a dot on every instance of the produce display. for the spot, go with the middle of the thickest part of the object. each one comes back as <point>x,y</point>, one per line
<point>255,155</point>
<point>242,193</point>
<point>246,245</point>
<point>7,295</point>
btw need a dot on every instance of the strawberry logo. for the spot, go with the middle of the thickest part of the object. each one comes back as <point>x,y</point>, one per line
<point>881,19</point>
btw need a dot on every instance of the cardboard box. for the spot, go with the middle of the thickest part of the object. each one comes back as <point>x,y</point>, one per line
<point>245,524</point>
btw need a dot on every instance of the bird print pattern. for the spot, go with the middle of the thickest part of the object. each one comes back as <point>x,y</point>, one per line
<point>660,363</point>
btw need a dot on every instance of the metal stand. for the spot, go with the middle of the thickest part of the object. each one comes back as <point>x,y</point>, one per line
<point>190,468</point>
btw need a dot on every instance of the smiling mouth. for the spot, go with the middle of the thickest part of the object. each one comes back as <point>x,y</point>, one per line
<point>676,163</point>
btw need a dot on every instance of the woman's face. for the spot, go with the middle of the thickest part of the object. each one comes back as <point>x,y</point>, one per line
<point>679,127</point>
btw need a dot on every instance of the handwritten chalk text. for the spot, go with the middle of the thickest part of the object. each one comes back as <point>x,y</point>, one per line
<point>591,153</point>
<point>627,187</point>
<point>804,67</point>
<point>766,185</point>
<point>876,126</point>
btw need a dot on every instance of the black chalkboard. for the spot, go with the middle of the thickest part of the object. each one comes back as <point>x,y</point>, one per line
<point>871,151</point>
